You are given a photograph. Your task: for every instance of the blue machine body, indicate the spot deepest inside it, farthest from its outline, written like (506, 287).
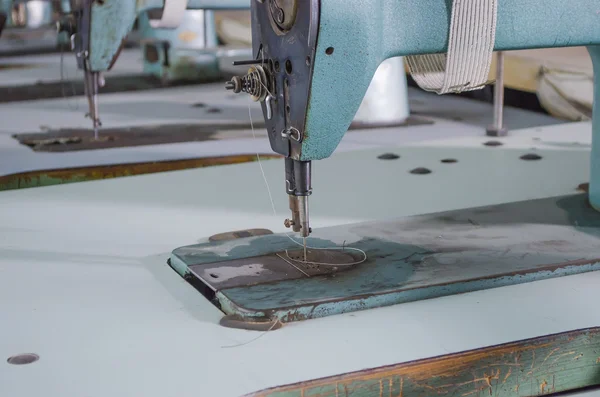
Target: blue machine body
(188, 52)
(112, 20)
(361, 34)
(364, 33)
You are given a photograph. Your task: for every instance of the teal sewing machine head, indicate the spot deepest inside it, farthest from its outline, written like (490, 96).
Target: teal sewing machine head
(98, 30)
(313, 62)
(315, 59)
(188, 51)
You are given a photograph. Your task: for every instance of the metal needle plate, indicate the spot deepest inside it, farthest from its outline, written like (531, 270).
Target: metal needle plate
(408, 259)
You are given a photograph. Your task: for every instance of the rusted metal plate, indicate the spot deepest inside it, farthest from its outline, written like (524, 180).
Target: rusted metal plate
(71, 175)
(239, 234)
(72, 139)
(270, 268)
(531, 367)
(414, 258)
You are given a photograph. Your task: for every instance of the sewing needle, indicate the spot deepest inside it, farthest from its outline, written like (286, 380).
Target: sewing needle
(304, 241)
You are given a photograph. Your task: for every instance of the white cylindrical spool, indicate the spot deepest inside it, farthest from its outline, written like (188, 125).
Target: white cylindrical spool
(386, 100)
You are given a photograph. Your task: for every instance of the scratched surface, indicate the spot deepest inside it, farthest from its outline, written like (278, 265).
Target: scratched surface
(410, 259)
(533, 367)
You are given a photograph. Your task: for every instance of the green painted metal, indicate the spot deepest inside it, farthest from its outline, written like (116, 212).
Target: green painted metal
(111, 22)
(532, 367)
(187, 53)
(364, 33)
(409, 259)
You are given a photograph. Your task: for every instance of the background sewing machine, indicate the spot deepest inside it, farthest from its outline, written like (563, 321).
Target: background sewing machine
(29, 26)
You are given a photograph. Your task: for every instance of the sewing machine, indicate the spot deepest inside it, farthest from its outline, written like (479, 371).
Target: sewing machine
(97, 52)
(313, 62)
(189, 52)
(28, 26)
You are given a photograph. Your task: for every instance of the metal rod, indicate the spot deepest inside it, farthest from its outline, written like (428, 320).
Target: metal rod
(499, 92)
(304, 242)
(497, 126)
(251, 62)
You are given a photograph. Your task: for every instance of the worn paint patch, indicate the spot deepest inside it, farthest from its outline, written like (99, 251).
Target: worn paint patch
(449, 253)
(81, 174)
(528, 367)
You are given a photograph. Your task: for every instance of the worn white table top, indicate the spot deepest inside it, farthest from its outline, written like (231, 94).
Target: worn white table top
(84, 283)
(174, 105)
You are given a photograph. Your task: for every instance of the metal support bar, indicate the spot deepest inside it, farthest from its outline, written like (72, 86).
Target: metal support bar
(498, 129)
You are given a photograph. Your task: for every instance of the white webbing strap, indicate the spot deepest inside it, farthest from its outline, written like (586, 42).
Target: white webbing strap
(172, 15)
(471, 40)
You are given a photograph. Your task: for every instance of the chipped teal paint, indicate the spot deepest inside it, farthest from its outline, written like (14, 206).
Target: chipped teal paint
(365, 32)
(595, 156)
(485, 248)
(243, 248)
(178, 265)
(384, 299)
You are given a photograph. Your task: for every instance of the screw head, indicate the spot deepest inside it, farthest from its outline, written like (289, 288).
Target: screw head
(288, 223)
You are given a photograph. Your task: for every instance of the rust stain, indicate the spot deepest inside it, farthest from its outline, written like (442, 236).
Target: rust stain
(549, 354)
(543, 386)
(562, 355)
(421, 372)
(545, 359)
(7, 66)
(69, 175)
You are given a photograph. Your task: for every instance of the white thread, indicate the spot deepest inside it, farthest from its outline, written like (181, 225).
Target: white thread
(253, 339)
(286, 234)
(260, 164)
